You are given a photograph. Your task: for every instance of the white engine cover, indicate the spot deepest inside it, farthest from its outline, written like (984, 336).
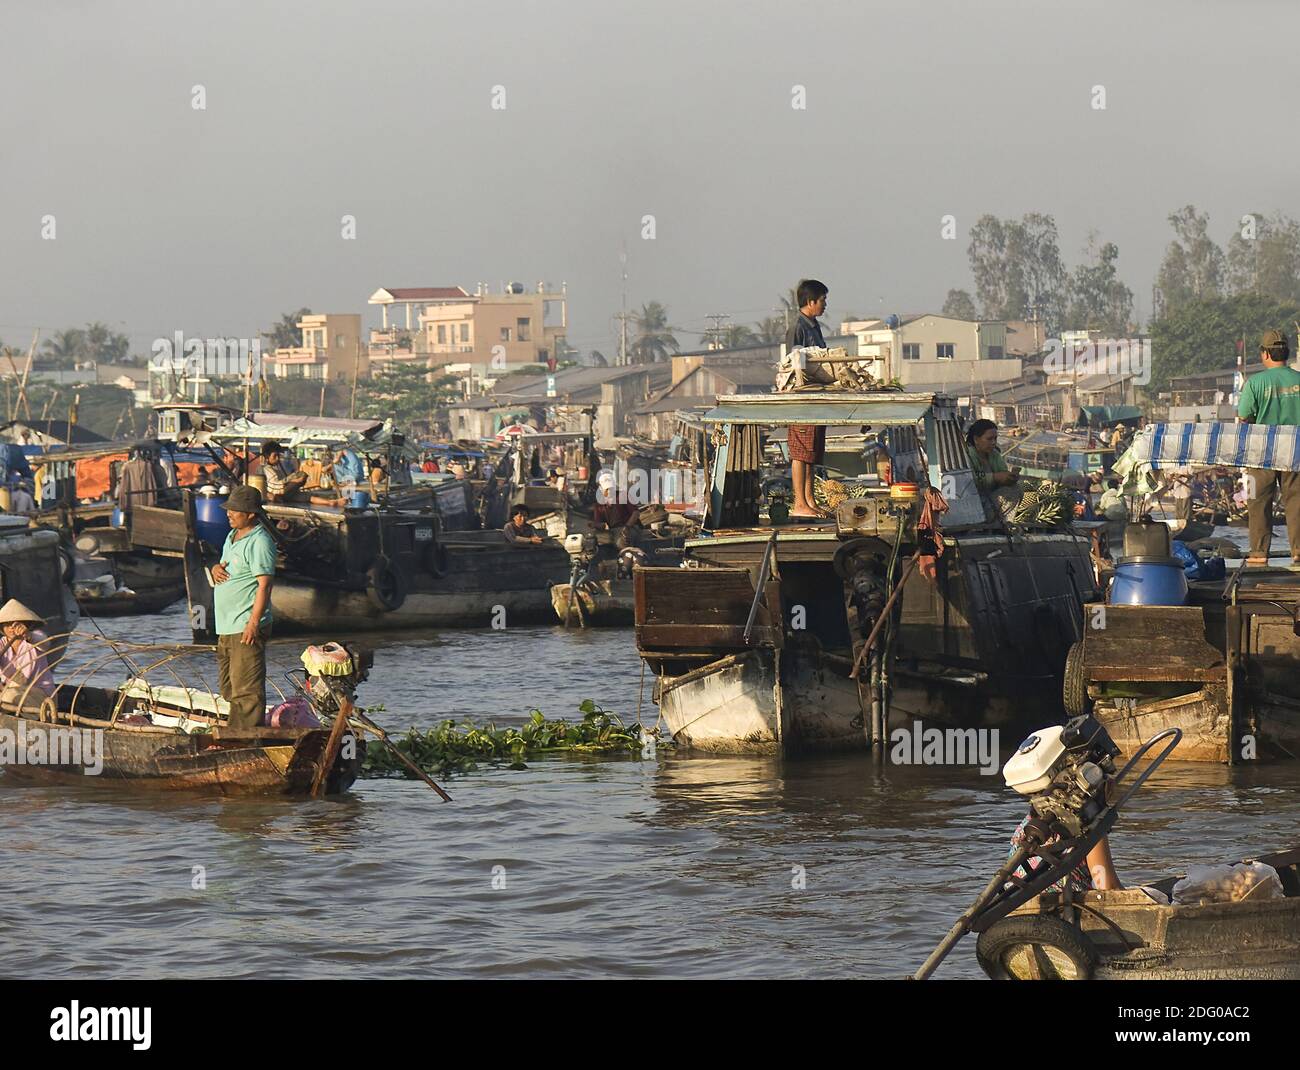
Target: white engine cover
(1030, 769)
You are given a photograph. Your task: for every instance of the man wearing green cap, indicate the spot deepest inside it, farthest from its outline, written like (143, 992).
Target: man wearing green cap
(241, 595)
(1272, 397)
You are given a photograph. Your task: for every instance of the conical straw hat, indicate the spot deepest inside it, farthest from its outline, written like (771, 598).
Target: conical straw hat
(14, 611)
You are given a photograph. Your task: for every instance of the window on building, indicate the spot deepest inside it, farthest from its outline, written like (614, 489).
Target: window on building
(911, 350)
(339, 340)
(505, 334)
(522, 324)
(464, 332)
(995, 353)
(943, 350)
(442, 334)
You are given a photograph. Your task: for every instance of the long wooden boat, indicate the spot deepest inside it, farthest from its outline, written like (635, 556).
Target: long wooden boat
(753, 643)
(1126, 935)
(163, 756)
(350, 571)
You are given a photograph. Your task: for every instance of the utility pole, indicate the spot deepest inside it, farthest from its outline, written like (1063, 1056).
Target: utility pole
(716, 331)
(622, 344)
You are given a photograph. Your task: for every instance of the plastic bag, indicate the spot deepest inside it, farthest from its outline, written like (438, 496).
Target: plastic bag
(1196, 567)
(1228, 884)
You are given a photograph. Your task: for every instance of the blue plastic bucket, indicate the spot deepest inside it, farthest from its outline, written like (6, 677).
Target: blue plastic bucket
(360, 499)
(211, 523)
(1149, 581)
(119, 518)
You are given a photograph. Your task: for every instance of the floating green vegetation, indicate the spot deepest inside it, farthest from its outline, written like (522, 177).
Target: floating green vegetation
(453, 748)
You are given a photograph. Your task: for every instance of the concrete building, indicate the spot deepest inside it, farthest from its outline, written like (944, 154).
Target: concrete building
(567, 400)
(132, 377)
(516, 325)
(926, 348)
(331, 350)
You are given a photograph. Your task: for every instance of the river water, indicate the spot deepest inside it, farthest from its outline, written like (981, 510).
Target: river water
(574, 867)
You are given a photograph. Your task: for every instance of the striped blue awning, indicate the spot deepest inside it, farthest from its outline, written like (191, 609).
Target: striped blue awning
(1232, 445)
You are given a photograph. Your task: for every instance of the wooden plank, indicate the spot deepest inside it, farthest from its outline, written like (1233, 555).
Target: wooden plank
(704, 636)
(157, 529)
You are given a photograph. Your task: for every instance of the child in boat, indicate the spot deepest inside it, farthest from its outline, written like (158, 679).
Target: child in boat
(24, 668)
(1094, 873)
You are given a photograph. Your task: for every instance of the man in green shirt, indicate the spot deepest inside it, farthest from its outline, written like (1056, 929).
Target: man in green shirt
(1272, 397)
(241, 595)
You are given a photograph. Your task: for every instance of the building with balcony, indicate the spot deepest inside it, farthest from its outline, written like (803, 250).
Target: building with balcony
(513, 326)
(331, 350)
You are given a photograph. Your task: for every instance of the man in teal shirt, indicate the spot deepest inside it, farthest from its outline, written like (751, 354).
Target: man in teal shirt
(242, 598)
(1272, 397)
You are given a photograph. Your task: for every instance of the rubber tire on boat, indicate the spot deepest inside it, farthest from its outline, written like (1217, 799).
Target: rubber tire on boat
(67, 565)
(1045, 930)
(435, 560)
(386, 588)
(1074, 687)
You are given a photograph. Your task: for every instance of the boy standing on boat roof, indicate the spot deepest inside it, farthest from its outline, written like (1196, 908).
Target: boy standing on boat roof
(242, 599)
(1272, 397)
(807, 445)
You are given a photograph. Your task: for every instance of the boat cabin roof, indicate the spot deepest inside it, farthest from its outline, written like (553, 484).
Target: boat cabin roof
(831, 408)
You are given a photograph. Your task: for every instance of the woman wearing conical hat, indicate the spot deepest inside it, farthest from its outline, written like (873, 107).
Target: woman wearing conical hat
(24, 669)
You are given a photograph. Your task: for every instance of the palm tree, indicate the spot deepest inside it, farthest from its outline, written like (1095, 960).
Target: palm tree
(95, 340)
(64, 347)
(732, 336)
(654, 341)
(770, 329)
(285, 334)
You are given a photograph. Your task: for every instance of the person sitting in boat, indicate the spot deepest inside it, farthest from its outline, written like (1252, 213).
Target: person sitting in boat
(621, 519)
(518, 531)
(1112, 505)
(347, 471)
(1095, 873)
(21, 502)
(283, 483)
(24, 668)
(986, 462)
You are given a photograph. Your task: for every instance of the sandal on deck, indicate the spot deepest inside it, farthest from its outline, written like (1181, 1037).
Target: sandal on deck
(1252, 560)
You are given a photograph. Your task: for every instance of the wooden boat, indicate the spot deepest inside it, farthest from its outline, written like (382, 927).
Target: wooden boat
(260, 760)
(164, 737)
(753, 642)
(1126, 935)
(1222, 669)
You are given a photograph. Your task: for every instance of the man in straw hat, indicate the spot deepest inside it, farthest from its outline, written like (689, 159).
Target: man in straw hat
(1272, 397)
(24, 668)
(242, 598)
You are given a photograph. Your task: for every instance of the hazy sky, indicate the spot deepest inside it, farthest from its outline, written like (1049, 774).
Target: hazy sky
(216, 221)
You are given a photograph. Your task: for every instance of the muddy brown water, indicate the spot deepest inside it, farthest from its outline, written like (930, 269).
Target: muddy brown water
(574, 867)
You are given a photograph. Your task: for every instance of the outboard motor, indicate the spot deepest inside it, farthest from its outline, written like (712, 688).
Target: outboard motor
(334, 672)
(1067, 772)
(629, 558)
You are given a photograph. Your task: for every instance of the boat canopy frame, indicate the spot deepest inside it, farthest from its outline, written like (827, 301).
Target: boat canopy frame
(735, 485)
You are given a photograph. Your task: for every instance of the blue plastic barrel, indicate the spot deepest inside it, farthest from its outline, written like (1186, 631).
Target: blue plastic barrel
(360, 499)
(119, 518)
(1149, 581)
(211, 523)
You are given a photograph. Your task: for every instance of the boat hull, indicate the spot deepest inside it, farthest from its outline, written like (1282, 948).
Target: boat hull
(1239, 941)
(739, 706)
(302, 608)
(164, 761)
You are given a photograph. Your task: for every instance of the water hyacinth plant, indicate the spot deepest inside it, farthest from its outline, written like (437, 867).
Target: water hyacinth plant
(457, 748)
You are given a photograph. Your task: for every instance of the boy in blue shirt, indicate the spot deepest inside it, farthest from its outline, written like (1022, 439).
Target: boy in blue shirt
(242, 599)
